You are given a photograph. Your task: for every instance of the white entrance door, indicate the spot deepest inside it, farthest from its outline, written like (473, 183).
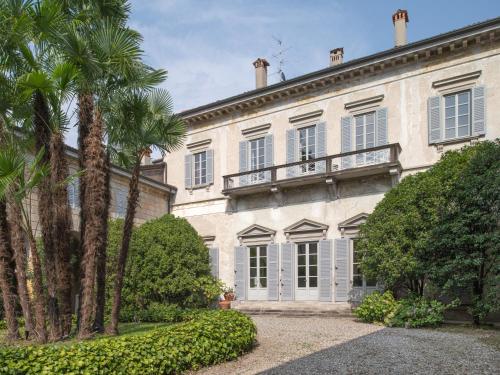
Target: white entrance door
(306, 271)
(257, 287)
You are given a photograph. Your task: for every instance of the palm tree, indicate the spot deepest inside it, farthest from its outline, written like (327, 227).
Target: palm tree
(18, 180)
(139, 121)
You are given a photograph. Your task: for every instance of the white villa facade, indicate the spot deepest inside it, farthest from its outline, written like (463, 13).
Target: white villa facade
(278, 179)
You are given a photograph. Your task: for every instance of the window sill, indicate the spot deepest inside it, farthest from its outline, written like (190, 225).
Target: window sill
(198, 187)
(468, 138)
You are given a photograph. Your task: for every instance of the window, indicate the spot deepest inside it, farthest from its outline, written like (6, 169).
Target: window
(457, 115)
(258, 267)
(307, 148)
(200, 168)
(74, 193)
(358, 280)
(121, 203)
(307, 265)
(257, 159)
(365, 136)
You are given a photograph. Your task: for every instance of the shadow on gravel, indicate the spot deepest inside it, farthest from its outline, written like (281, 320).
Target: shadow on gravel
(398, 351)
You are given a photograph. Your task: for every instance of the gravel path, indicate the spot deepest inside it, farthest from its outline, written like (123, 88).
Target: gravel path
(344, 346)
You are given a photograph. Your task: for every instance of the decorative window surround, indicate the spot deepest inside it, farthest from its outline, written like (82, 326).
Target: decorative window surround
(306, 230)
(198, 145)
(208, 240)
(350, 227)
(256, 130)
(256, 235)
(363, 105)
(460, 82)
(305, 117)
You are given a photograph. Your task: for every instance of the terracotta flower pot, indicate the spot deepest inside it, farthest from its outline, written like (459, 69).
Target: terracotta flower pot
(229, 296)
(224, 305)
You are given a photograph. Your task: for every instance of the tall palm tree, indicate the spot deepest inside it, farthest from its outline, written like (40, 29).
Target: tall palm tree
(18, 180)
(139, 122)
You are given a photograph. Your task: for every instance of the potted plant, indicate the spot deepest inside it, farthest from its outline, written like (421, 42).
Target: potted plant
(229, 294)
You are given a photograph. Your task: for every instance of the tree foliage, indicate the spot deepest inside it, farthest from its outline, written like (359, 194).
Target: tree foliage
(168, 263)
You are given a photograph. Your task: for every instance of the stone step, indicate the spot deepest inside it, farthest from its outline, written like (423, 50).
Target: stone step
(298, 313)
(299, 309)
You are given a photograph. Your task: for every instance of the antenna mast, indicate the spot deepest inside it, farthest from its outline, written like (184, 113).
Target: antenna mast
(279, 56)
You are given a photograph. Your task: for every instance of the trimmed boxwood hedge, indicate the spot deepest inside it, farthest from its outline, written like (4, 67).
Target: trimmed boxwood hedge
(213, 337)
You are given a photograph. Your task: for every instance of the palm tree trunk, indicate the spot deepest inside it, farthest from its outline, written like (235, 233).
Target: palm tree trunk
(42, 132)
(19, 250)
(61, 228)
(101, 261)
(95, 209)
(133, 197)
(85, 119)
(7, 276)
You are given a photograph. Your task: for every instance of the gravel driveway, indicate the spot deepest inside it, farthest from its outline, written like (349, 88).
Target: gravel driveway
(288, 345)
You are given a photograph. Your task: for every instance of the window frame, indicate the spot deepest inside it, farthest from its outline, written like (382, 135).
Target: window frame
(258, 258)
(307, 265)
(259, 177)
(364, 281)
(194, 167)
(311, 167)
(456, 115)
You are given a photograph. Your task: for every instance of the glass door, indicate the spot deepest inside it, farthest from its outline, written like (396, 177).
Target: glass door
(307, 271)
(257, 288)
(307, 149)
(257, 160)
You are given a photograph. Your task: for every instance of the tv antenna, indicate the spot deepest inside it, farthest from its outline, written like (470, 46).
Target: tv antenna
(279, 56)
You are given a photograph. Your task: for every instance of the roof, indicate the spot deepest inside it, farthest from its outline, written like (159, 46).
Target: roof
(408, 49)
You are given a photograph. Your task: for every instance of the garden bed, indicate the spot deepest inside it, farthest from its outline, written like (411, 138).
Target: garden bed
(209, 338)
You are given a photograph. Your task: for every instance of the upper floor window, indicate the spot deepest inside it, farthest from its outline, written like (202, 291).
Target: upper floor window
(307, 148)
(257, 159)
(457, 110)
(200, 168)
(74, 193)
(254, 155)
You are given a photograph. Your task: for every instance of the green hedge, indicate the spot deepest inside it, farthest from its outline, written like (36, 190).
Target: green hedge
(213, 337)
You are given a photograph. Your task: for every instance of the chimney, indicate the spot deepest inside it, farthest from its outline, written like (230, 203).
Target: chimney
(260, 72)
(336, 56)
(146, 157)
(400, 19)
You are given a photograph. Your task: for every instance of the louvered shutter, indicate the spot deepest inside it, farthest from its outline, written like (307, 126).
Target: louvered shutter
(240, 272)
(290, 152)
(341, 269)
(76, 188)
(434, 118)
(346, 140)
(321, 146)
(287, 284)
(325, 270)
(210, 166)
(272, 272)
(71, 195)
(381, 156)
(214, 261)
(243, 162)
(268, 155)
(479, 110)
(188, 171)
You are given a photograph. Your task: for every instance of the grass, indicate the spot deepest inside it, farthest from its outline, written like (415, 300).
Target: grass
(125, 329)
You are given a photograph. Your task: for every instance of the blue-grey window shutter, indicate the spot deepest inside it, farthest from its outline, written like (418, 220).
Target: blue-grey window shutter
(341, 269)
(243, 162)
(479, 110)
(188, 171)
(210, 166)
(321, 146)
(240, 272)
(71, 195)
(346, 140)
(325, 270)
(290, 152)
(213, 253)
(381, 156)
(268, 155)
(273, 272)
(287, 264)
(76, 186)
(434, 119)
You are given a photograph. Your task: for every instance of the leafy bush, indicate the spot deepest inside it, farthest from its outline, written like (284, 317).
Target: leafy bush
(375, 307)
(416, 312)
(212, 337)
(168, 264)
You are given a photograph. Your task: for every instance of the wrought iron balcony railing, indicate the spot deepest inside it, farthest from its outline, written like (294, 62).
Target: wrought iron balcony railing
(348, 165)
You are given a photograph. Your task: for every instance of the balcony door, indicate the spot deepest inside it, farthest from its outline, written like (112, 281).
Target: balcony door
(257, 264)
(307, 149)
(306, 271)
(257, 160)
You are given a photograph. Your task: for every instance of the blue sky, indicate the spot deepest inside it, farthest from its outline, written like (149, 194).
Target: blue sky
(208, 46)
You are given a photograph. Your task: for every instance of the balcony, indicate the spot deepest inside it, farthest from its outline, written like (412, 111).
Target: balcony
(380, 160)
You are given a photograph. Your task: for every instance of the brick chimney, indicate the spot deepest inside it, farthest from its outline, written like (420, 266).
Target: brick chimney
(260, 72)
(400, 19)
(337, 56)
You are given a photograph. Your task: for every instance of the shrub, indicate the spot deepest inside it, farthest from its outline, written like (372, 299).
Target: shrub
(416, 312)
(168, 264)
(375, 307)
(213, 337)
